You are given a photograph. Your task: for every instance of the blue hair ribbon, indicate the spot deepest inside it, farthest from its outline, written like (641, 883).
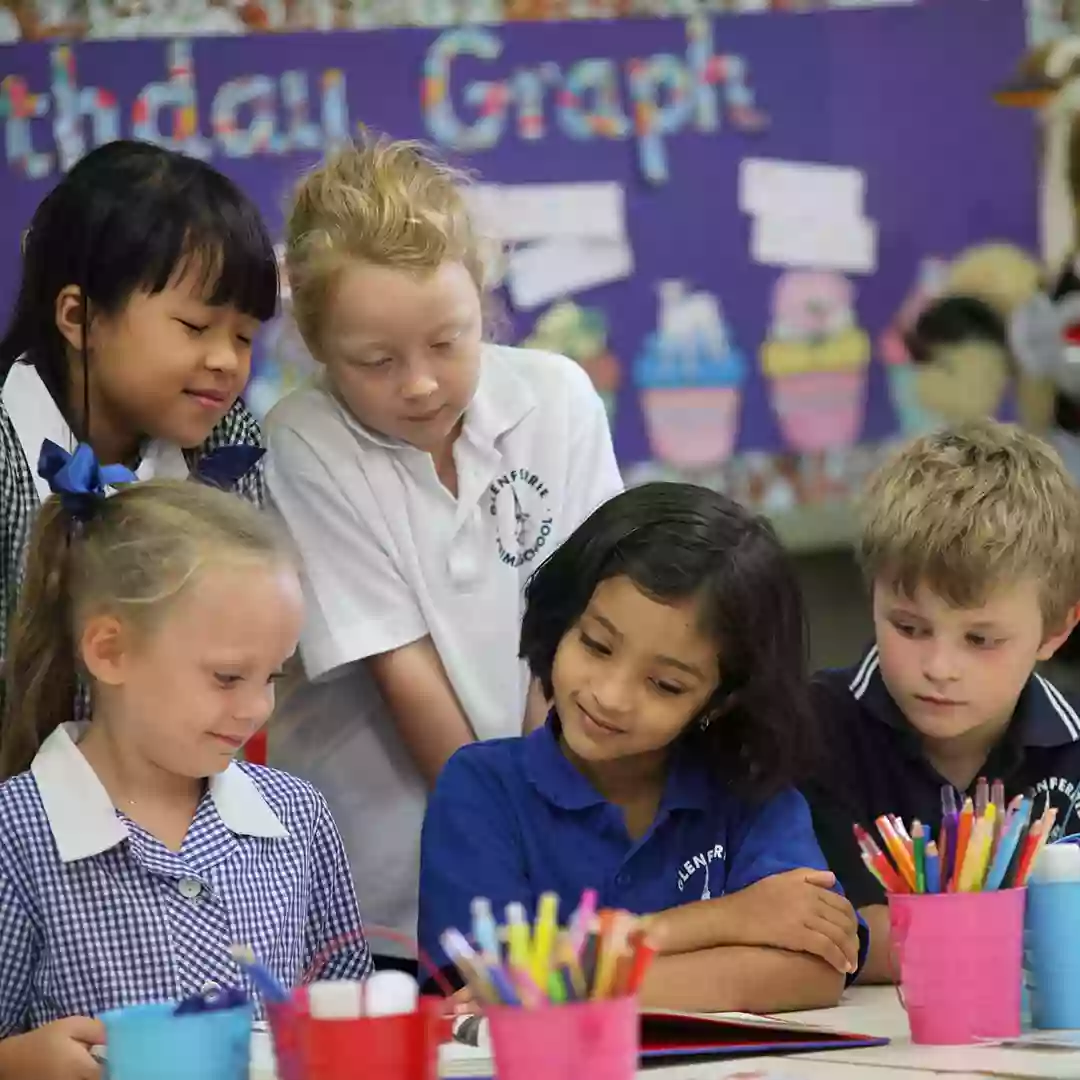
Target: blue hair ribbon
(227, 465)
(79, 478)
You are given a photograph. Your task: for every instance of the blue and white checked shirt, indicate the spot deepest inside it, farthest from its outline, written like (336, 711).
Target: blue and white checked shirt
(96, 913)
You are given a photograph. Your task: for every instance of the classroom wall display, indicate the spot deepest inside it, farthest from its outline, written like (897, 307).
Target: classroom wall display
(581, 333)
(709, 311)
(36, 20)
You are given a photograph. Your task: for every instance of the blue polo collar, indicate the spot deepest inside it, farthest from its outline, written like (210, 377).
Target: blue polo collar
(1043, 718)
(555, 778)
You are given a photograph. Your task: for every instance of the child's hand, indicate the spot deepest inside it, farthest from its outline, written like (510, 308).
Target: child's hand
(56, 1051)
(463, 1002)
(798, 911)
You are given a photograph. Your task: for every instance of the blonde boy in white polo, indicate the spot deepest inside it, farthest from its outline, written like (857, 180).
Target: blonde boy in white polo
(423, 476)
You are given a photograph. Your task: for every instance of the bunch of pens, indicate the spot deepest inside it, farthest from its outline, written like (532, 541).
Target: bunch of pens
(981, 846)
(598, 956)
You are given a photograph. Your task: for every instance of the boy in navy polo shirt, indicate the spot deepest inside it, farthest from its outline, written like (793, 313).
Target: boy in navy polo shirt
(667, 630)
(970, 542)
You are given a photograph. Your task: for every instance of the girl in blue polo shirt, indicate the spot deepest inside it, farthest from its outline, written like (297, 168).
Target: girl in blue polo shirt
(668, 632)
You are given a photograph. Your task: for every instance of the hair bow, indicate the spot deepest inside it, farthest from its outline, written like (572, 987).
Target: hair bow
(224, 467)
(78, 478)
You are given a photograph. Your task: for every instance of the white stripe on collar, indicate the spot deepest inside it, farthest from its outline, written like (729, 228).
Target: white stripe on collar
(859, 685)
(82, 816)
(36, 418)
(1064, 710)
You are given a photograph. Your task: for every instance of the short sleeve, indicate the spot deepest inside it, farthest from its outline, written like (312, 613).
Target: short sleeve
(469, 847)
(20, 950)
(594, 475)
(775, 837)
(358, 603)
(334, 931)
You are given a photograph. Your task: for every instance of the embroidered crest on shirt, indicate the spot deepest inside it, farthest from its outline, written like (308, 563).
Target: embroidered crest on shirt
(701, 864)
(1064, 796)
(524, 522)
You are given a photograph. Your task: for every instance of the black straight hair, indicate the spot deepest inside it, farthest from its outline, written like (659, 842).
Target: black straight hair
(678, 541)
(133, 216)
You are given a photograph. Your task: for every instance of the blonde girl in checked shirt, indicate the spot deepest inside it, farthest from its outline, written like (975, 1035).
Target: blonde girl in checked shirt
(134, 849)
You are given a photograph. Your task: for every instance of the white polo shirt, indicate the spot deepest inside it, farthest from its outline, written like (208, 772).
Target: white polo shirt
(391, 556)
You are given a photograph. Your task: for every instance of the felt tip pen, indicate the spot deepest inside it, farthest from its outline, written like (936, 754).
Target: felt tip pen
(485, 932)
(933, 868)
(898, 849)
(488, 983)
(268, 986)
(547, 927)
(517, 936)
(918, 846)
(583, 919)
(568, 959)
(644, 952)
(963, 838)
(1009, 850)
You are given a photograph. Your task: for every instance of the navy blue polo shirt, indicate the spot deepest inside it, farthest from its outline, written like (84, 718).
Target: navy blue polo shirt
(512, 818)
(872, 763)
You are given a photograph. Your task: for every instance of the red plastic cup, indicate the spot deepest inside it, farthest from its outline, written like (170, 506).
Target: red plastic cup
(594, 1039)
(404, 1047)
(960, 959)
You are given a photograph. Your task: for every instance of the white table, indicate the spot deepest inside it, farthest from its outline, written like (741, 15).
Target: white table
(866, 1011)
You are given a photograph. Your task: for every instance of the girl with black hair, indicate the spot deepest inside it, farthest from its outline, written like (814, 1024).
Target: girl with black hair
(145, 276)
(668, 632)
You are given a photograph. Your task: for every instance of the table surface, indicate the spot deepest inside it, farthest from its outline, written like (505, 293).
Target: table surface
(866, 1011)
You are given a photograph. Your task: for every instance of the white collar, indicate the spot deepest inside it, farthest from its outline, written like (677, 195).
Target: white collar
(36, 418)
(501, 401)
(82, 816)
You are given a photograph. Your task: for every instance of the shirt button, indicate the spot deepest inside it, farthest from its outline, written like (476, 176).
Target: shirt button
(189, 888)
(622, 879)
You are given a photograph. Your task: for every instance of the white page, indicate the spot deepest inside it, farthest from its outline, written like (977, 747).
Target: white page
(519, 213)
(554, 269)
(815, 243)
(796, 189)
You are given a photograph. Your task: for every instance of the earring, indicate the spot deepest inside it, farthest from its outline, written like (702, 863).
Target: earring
(705, 721)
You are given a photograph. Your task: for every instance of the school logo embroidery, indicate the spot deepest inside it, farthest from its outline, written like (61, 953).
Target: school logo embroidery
(523, 496)
(1064, 796)
(702, 861)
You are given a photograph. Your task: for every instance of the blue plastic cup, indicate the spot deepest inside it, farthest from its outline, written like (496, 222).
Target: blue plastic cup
(150, 1042)
(1052, 953)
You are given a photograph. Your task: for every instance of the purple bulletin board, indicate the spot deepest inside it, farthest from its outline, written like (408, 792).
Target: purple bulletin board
(901, 94)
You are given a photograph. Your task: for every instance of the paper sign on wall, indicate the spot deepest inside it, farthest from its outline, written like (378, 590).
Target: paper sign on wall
(807, 216)
(552, 269)
(562, 238)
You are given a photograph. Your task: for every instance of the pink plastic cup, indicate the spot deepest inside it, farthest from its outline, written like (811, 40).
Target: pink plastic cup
(960, 959)
(594, 1039)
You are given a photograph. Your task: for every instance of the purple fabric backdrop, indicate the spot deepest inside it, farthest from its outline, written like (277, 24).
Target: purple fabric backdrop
(900, 93)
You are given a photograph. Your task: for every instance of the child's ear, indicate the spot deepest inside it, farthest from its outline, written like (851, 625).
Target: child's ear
(70, 316)
(1054, 642)
(105, 648)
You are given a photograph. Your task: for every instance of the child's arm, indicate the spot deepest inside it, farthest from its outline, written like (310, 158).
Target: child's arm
(741, 979)
(833, 821)
(334, 932)
(360, 608)
(880, 966)
(417, 691)
(781, 906)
